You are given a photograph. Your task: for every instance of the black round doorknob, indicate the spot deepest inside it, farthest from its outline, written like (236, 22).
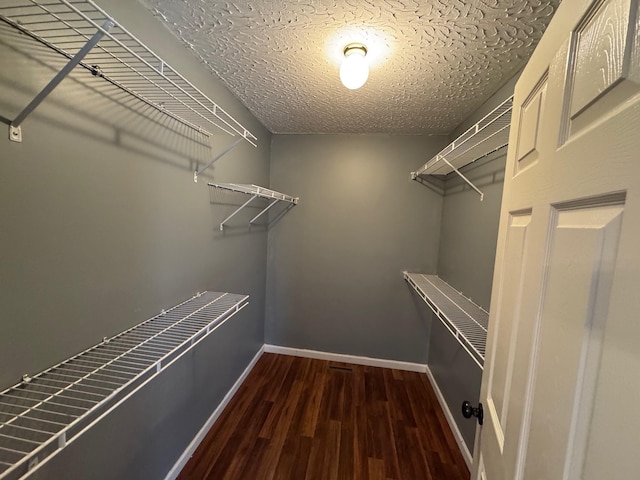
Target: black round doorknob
(469, 411)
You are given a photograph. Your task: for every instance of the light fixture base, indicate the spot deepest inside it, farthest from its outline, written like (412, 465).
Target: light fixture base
(355, 48)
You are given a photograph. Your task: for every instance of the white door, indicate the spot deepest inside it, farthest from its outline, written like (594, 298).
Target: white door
(561, 385)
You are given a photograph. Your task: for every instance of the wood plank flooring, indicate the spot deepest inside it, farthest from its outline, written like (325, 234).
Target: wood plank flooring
(298, 418)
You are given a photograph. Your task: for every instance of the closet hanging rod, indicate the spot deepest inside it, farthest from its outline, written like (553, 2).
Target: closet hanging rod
(121, 59)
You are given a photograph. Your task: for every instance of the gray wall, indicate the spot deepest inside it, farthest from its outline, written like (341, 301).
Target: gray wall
(465, 261)
(470, 229)
(334, 279)
(468, 239)
(102, 227)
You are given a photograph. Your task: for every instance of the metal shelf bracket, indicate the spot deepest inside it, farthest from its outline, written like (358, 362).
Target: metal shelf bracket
(200, 171)
(15, 133)
(464, 178)
(265, 209)
(256, 192)
(236, 211)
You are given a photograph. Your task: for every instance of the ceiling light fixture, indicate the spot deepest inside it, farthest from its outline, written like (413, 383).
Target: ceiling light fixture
(354, 70)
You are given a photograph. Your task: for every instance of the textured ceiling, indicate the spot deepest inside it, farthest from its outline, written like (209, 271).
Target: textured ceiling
(433, 62)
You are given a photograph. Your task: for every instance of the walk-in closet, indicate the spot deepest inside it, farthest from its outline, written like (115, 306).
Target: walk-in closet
(321, 240)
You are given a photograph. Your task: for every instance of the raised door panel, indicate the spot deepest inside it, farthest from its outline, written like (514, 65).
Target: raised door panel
(604, 64)
(600, 58)
(581, 256)
(529, 126)
(508, 324)
(503, 356)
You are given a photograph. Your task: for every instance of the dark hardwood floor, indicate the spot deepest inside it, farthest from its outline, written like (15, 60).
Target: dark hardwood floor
(297, 418)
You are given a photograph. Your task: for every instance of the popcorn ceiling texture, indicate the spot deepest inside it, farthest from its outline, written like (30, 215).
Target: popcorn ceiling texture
(433, 62)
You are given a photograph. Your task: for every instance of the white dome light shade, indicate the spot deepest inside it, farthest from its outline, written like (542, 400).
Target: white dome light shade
(355, 69)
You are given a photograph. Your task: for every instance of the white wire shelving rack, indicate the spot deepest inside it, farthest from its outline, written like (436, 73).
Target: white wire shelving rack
(490, 134)
(44, 413)
(89, 38)
(466, 321)
(255, 191)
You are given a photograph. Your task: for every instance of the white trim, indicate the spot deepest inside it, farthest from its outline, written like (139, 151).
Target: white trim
(466, 454)
(191, 448)
(340, 357)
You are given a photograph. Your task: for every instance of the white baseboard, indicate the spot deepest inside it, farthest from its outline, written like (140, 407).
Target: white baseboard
(186, 455)
(452, 423)
(340, 357)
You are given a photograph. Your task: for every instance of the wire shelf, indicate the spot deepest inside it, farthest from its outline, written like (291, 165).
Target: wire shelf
(41, 415)
(466, 321)
(68, 26)
(490, 134)
(256, 192)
